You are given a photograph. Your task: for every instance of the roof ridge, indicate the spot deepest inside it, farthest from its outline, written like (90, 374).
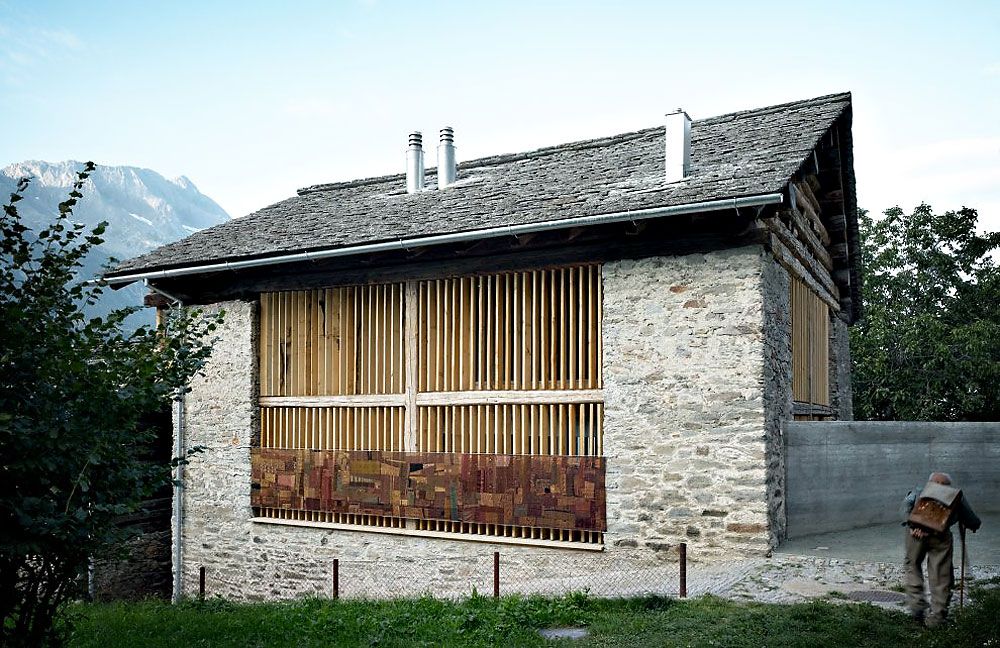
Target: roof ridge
(765, 110)
(491, 160)
(578, 145)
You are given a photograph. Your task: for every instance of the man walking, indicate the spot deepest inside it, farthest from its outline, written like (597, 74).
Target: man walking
(931, 511)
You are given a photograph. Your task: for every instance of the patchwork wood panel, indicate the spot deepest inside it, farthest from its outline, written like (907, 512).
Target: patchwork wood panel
(557, 492)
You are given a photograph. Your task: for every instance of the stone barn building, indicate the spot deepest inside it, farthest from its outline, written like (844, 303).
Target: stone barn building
(580, 356)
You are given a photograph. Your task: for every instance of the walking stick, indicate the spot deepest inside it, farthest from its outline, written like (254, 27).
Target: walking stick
(961, 591)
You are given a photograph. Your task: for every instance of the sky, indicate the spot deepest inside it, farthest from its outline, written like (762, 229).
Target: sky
(252, 100)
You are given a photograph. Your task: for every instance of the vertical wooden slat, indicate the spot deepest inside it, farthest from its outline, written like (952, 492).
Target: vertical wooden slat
(520, 357)
(535, 330)
(439, 339)
(572, 308)
(264, 352)
(412, 370)
(581, 350)
(462, 323)
(508, 294)
(551, 341)
(481, 333)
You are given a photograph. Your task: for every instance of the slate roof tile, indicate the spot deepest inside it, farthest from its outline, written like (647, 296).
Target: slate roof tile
(738, 154)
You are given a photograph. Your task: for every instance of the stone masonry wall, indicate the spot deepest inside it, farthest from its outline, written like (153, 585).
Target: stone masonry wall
(841, 394)
(778, 386)
(684, 402)
(686, 437)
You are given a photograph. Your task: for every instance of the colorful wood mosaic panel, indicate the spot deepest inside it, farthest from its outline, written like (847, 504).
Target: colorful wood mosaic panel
(559, 492)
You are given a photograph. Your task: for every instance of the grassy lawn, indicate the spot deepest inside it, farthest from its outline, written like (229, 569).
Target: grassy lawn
(514, 621)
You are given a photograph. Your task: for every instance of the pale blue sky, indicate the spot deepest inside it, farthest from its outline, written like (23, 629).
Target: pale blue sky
(252, 100)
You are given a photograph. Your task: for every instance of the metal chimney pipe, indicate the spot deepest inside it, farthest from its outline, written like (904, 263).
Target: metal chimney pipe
(446, 170)
(678, 145)
(415, 163)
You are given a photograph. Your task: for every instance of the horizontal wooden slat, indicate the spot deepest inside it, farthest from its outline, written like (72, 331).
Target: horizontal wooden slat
(355, 400)
(512, 396)
(494, 534)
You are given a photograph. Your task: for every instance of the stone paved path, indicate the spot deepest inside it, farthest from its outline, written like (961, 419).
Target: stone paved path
(791, 579)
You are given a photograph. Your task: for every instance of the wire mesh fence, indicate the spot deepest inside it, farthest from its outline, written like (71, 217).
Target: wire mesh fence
(487, 573)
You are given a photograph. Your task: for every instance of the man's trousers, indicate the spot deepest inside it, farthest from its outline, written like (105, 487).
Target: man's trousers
(936, 549)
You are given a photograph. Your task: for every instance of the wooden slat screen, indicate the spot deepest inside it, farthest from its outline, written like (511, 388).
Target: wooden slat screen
(333, 428)
(507, 363)
(337, 341)
(548, 429)
(530, 330)
(810, 346)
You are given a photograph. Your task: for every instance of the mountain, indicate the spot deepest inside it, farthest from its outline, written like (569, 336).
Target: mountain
(144, 210)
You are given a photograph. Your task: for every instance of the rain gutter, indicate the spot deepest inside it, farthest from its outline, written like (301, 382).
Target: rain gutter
(457, 237)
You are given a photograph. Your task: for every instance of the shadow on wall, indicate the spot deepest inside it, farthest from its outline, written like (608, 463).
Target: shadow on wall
(844, 475)
(141, 567)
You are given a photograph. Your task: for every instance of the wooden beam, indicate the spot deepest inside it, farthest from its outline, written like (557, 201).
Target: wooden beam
(355, 400)
(599, 246)
(411, 343)
(810, 208)
(807, 194)
(783, 256)
(797, 250)
(805, 233)
(837, 222)
(510, 397)
(675, 235)
(155, 300)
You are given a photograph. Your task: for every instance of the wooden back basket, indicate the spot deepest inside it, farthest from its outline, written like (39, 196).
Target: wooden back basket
(934, 506)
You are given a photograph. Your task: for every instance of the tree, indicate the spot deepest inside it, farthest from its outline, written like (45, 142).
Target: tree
(928, 347)
(73, 393)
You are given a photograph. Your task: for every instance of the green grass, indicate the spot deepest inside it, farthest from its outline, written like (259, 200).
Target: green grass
(514, 621)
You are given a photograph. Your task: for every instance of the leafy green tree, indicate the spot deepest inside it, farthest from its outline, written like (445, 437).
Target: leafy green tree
(928, 347)
(73, 394)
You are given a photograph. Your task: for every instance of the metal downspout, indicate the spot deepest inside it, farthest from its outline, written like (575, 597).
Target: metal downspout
(177, 519)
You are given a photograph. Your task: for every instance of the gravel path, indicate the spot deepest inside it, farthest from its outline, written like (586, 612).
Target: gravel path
(792, 579)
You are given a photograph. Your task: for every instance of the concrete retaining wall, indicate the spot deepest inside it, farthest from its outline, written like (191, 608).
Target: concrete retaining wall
(848, 474)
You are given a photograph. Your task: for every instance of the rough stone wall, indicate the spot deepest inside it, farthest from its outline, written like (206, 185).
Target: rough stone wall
(684, 426)
(142, 571)
(841, 394)
(685, 433)
(221, 415)
(776, 288)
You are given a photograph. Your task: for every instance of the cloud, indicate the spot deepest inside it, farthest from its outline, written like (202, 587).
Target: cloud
(60, 37)
(947, 174)
(992, 69)
(23, 48)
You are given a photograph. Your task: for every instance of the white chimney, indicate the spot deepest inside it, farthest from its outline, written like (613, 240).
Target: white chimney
(415, 163)
(678, 145)
(446, 158)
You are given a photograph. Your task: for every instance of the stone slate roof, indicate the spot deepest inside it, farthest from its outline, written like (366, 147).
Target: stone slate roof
(739, 154)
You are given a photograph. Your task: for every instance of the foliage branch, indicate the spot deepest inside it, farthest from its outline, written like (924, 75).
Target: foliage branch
(928, 347)
(75, 394)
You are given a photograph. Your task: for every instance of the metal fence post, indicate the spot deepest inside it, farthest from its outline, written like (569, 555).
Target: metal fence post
(201, 583)
(496, 574)
(683, 568)
(336, 578)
